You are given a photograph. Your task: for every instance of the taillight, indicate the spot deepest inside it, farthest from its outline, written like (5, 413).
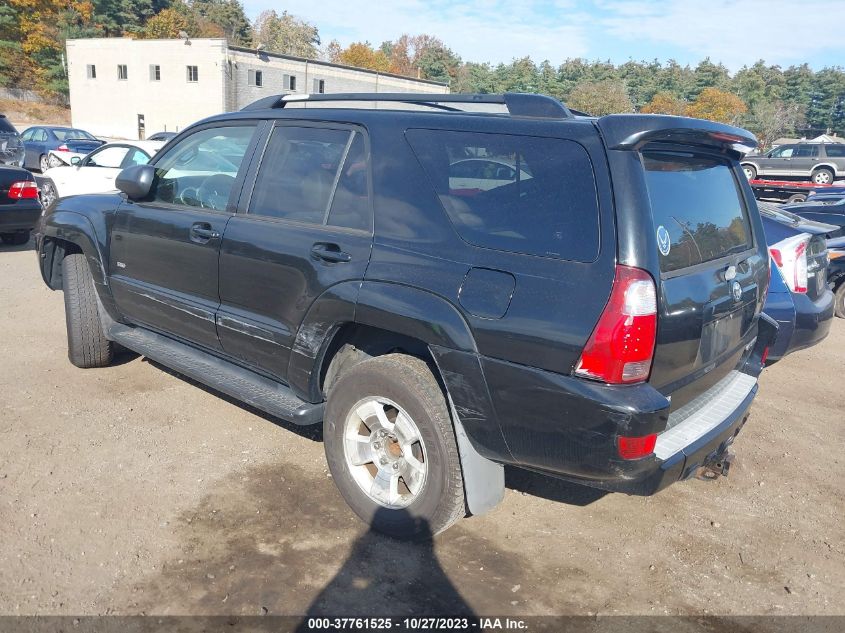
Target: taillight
(765, 356)
(621, 347)
(790, 256)
(23, 190)
(62, 148)
(636, 447)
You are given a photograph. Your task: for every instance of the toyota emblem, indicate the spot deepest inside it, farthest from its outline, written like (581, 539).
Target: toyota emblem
(736, 291)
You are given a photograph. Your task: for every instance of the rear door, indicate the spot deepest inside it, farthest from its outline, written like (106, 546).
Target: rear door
(804, 159)
(306, 226)
(713, 278)
(165, 250)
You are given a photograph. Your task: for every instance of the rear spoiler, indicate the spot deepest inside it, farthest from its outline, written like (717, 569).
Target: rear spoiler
(633, 131)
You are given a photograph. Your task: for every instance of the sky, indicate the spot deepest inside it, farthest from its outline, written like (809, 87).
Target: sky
(735, 32)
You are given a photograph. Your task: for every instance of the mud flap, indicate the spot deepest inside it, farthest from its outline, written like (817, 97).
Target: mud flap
(484, 480)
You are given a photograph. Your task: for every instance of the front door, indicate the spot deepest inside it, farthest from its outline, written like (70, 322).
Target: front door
(307, 227)
(165, 250)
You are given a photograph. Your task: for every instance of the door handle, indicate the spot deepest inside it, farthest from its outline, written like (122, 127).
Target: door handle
(202, 231)
(329, 253)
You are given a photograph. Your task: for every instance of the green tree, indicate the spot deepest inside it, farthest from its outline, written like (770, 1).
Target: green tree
(228, 15)
(286, 34)
(709, 75)
(601, 97)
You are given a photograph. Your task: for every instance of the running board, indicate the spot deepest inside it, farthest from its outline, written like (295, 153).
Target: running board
(262, 393)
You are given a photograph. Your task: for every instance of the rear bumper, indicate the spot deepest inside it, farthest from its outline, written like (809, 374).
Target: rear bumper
(803, 322)
(569, 428)
(18, 216)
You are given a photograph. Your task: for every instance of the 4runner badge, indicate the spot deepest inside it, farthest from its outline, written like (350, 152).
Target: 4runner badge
(664, 243)
(736, 291)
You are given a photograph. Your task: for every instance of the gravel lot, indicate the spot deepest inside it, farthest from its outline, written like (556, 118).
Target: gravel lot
(130, 490)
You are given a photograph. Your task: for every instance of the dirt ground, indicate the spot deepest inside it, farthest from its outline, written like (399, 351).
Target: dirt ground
(130, 490)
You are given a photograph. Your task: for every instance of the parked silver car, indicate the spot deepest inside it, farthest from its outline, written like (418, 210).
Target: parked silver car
(820, 162)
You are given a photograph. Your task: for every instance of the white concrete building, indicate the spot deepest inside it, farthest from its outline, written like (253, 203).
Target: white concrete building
(125, 88)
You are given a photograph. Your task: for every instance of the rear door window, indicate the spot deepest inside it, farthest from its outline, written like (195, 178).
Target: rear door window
(835, 151)
(521, 194)
(698, 209)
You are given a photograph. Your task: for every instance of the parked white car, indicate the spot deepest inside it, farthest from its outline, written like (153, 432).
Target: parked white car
(96, 172)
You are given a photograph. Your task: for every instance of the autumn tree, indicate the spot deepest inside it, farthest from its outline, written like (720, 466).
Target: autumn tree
(286, 34)
(422, 55)
(227, 16)
(167, 24)
(665, 103)
(717, 105)
(362, 55)
(600, 97)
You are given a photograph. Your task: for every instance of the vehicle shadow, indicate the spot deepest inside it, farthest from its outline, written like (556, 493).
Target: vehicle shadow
(551, 488)
(312, 432)
(414, 577)
(518, 479)
(19, 248)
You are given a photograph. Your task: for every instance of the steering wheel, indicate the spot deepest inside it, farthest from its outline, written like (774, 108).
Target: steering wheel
(214, 191)
(189, 196)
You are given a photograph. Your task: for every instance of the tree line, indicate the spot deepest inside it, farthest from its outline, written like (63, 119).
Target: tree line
(770, 100)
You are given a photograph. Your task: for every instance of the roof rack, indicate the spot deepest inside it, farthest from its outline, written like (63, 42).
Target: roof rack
(517, 103)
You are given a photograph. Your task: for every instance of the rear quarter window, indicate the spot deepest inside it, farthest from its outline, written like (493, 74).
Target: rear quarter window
(698, 209)
(521, 194)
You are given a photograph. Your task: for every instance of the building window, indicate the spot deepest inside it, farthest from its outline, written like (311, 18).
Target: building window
(155, 72)
(92, 71)
(193, 74)
(256, 78)
(289, 82)
(319, 86)
(122, 73)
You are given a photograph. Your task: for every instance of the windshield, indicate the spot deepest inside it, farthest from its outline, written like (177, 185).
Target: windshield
(698, 209)
(73, 135)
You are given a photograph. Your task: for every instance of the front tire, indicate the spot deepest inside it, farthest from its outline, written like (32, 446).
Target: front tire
(49, 194)
(87, 345)
(43, 165)
(391, 449)
(839, 300)
(823, 176)
(750, 172)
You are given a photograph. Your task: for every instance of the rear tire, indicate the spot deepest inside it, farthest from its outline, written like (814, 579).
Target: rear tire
(796, 197)
(87, 345)
(823, 176)
(750, 172)
(387, 421)
(18, 238)
(839, 300)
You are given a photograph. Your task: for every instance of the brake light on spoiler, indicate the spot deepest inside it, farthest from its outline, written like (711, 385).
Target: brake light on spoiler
(621, 347)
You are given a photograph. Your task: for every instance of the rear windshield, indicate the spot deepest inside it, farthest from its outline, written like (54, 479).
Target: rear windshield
(521, 194)
(6, 127)
(73, 135)
(697, 206)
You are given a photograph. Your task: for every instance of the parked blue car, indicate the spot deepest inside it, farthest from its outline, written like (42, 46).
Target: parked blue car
(799, 298)
(824, 208)
(39, 140)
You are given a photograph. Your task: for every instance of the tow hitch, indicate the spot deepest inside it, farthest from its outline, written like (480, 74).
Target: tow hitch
(715, 466)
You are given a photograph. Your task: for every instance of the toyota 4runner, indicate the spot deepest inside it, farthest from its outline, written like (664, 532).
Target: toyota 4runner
(447, 291)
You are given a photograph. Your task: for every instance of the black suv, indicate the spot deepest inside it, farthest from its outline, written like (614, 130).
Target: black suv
(589, 307)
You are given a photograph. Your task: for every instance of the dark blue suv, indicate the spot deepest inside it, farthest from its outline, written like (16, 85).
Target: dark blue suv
(588, 307)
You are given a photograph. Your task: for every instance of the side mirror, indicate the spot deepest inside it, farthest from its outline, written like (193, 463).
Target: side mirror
(136, 181)
(75, 160)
